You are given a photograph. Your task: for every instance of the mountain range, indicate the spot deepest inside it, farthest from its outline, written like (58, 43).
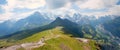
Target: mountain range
(104, 30)
(32, 21)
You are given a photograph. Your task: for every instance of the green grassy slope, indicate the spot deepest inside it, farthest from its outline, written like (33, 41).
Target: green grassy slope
(57, 40)
(66, 43)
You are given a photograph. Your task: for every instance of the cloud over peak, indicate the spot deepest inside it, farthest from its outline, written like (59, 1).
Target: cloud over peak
(10, 8)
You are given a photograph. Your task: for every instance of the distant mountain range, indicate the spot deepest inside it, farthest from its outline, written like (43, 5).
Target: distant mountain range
(33, 21)
(70, 29)
(104, 30)
(37, 19)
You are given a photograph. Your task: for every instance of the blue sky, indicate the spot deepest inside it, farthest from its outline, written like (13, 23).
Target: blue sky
(12, 9)
(1, 11)
(21, 10)
(118, 3)
(2, 2)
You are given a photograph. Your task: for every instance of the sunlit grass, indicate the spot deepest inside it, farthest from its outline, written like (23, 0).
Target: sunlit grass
(57, 40)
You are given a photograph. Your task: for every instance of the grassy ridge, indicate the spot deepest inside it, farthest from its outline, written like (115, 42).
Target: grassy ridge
(64, 42)
(58, 40)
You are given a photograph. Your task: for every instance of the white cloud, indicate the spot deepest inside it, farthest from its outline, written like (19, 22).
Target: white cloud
(54, 4)
(110, 5)
(31, 4)
(59, 7)
(98, 4)
(11, 4)
(114, 10)
(93, 4)
(5, 16)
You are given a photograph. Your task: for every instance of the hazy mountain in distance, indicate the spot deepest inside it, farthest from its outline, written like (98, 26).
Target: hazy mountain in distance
(98, 33)
(60, 32)
(32, 21)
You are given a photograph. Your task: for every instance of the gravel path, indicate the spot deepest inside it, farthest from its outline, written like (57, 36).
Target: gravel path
(29, 46)
(15, 47)
(83, 40)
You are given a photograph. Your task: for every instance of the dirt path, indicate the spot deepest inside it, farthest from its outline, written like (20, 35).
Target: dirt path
(15, 47)
(29, 46)
(12, 47)
(83, 40)
(87, 48)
